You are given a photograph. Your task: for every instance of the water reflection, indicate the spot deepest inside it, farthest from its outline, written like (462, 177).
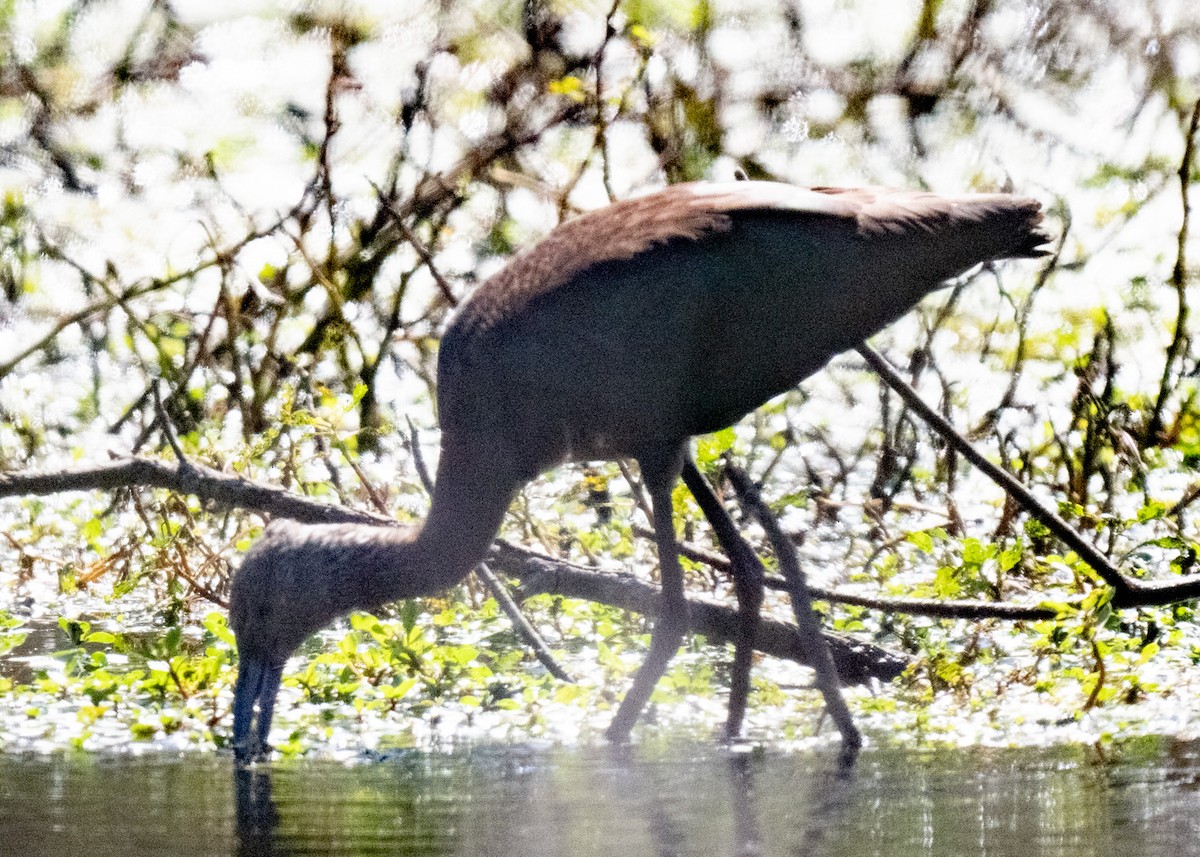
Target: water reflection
(675, 800)
(747, 836)
(257, 816)
(663, 804)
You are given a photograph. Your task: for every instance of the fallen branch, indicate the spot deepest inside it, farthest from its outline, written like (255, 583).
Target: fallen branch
(857, 662)
(195, 479)
(234, 491)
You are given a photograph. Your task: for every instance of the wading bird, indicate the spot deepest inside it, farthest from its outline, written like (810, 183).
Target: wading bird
(623, 333)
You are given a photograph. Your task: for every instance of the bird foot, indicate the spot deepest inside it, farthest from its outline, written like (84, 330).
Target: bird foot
(618, 731)
(252, 752)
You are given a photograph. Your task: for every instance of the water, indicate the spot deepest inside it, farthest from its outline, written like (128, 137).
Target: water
(668, 800)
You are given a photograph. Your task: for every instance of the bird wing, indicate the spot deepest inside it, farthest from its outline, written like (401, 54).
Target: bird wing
(690, 211)
(630, 227)
(986, 225)
(874, 211)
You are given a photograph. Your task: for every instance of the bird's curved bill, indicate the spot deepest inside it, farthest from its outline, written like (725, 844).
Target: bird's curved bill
(257, 687)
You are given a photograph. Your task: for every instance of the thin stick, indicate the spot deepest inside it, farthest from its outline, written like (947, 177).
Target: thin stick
(1086, 551)
(164, 423)
(932, 607)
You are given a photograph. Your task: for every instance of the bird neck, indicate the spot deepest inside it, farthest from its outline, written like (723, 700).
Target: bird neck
(467, 509)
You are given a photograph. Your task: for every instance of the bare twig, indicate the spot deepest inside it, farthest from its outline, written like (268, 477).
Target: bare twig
(1127, 592)
(423, 252)
(636, 490)
(144, 287)
(1024, 496)
(164, 423)
(932, 607)
(436, 189)
(1179, 338)
(522, 625)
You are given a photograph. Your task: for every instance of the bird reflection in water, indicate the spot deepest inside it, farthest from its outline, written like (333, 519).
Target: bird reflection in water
(665, 803)
(256, 813)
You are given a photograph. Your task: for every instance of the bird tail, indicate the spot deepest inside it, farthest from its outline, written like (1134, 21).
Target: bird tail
(971, 229)
(1001, 226)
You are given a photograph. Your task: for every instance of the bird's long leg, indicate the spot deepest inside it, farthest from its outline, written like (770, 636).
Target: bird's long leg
(748, 572)
(671, 623)
(257, 685)
(808, 626)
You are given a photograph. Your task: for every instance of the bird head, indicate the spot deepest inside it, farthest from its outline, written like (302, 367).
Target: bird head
(280, 596)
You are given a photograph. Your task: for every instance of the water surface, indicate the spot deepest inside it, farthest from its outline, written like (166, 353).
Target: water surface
(664, 800)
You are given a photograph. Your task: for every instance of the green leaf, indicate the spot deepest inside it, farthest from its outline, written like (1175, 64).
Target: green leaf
(143, 731)
(399, 691)
(75, 629)
(1151, 511)
(92, 530)
(642, 36)
(1062, 608)
(570, 86)
(461, 655)
(1010, 556)
(217, 624)
(366, 623)
(922, 540)
(173, 638)
(11, 640)
(710, 447)
(975, 552)
(946, 583)
(409, 613)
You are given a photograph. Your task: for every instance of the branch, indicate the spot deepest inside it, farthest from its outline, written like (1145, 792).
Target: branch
(1179, 283)
(932, 607)
(856, 661)
(233, 491)
(1127, 592)
(434, 190)
(144, 287)
(196, 479)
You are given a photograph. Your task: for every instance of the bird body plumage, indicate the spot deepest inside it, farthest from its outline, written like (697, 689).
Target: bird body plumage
(622, 334)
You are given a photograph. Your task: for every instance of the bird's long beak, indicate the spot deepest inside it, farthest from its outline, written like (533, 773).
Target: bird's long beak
(257, 684)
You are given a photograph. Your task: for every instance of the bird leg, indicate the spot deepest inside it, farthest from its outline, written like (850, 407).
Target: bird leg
(257, 686)
(748, 573)
(807, 625)
(672, 620)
